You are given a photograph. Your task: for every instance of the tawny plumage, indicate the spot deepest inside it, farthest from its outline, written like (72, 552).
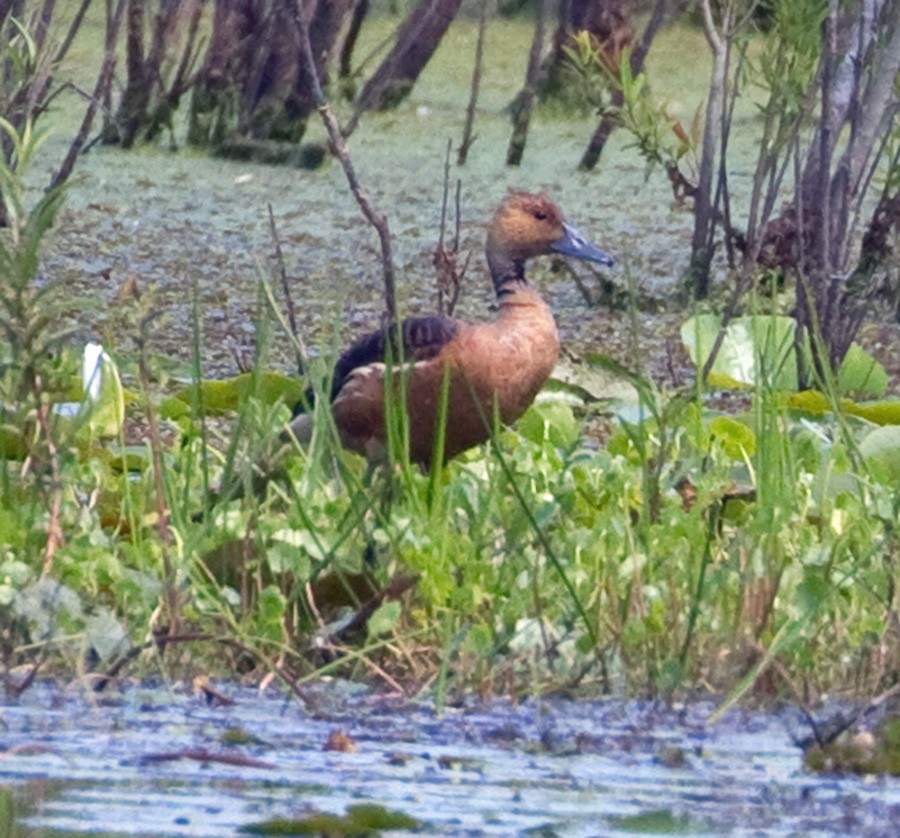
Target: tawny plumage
(495, 366)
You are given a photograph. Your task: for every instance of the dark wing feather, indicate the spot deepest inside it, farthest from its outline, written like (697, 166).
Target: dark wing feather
(423, 338)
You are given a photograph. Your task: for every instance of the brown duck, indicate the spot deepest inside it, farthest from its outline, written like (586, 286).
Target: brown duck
(499, 365)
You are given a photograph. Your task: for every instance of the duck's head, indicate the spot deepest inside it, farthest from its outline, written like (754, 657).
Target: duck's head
(527, 225)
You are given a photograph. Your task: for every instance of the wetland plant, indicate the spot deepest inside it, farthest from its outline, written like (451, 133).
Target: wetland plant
(688, 548)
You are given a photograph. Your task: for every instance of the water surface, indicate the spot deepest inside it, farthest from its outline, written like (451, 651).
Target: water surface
(547, 767)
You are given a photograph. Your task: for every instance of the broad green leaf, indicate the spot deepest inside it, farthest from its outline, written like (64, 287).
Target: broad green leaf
(105, 397)
(226, 395)
(883, 412)
(106, 635)
(861, 373)
(881, 450)
(272, 604)
(383, 620)
(759, 350)
(12, 443)
(552, 421)
(737, 440)
(755, 349)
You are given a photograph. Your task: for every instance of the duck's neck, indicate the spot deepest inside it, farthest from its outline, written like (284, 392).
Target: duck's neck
(507, 273)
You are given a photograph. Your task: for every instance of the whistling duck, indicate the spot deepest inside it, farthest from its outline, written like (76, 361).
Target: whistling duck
(503, 362)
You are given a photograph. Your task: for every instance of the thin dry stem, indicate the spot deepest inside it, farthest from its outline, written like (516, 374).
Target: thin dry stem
(286, 288)
(339, 147)
(156, 456)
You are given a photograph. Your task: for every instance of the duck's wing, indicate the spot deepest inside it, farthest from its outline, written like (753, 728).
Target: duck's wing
(421, 338)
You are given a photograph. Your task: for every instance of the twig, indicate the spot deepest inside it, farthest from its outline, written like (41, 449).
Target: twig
(162, 640)
(285, 286)
(467, 137)
(54, 531)
(446, 261)
(162, 512)
(16, 688)
(101, 89)
(202, 755)
(840, 723)
(339, 147)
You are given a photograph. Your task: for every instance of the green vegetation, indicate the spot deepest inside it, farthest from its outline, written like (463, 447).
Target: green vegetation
(692, 548)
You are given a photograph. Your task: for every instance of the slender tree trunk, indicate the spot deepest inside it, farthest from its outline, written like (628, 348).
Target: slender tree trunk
(525, 100)
(254, 93)
(705, 209)
(607, 21)
(467, 137)
(378, 221)
(114, 12)
(137, 86)
(150, 98)
(345, 62)
(326, 21)
(608, 121)
(417, 39)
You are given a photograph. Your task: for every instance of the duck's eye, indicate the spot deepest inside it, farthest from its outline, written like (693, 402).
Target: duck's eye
(540, 215)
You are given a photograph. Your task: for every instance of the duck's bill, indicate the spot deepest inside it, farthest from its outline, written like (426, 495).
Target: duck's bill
(573, 243)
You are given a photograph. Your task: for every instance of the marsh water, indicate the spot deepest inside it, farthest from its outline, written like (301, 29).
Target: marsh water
(147, 761)
(186, 226)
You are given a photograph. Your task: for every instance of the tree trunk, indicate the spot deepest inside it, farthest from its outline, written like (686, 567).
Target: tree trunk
(705, 208)
(610, 27)
(468, 137)
(345, 62)
(813, 236)
(524, 103)
(417, 39)
(254, 86)
(150, 97)
(608, 121)
(136, 95)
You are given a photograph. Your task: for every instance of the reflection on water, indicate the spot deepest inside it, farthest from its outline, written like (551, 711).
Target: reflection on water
(545, 767)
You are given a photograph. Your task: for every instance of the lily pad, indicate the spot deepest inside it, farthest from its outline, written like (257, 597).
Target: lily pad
(226, 395)
(879, 412)
(760, 349)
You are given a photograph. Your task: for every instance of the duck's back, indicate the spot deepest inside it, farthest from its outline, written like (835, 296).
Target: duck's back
(503, 363)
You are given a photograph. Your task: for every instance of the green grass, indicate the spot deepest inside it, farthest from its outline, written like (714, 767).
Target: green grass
(688, 549)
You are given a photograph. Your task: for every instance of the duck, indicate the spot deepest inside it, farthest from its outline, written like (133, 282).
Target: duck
(489, 369)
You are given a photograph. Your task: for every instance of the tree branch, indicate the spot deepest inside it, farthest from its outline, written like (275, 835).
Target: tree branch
(339, 147)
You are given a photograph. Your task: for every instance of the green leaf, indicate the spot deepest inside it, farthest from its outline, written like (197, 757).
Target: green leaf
(754, 350)
(861, 373)
(272, 604)
(882, 412)
(227, 395)
(881, 450)
(384, 620)
(106, 635)
(106, 408)
(759, 349)
(550, 421)
(737, 440)
(479, 640)
(12, 443)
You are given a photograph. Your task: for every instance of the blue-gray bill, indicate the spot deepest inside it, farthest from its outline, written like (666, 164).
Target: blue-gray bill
(574, 243)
